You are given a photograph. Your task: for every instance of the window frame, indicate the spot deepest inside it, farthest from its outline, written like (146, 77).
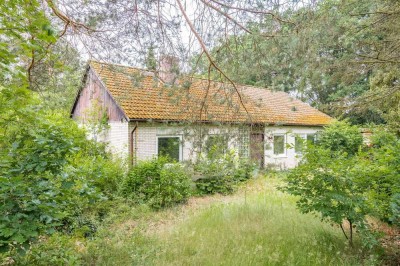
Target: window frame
(216, 135)
(304, 136)
(171, 136)
(284, 154)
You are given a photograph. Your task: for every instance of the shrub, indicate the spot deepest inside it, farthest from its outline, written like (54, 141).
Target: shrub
(325, 180)
(101, 168)
(341, 136)
(326, 184)
(48, 170)
(221, 173)
(343, 182)
(57, 249)
(157, 183)
(38, 184)
(378, 173)
(244, 170)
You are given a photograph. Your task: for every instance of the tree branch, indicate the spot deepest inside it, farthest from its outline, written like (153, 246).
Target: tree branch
(206, 52)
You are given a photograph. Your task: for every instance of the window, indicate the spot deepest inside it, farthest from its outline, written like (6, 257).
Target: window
(301, 140)
(243, 143)
(216, 145)
(170, 147)
(279, 144)
(311, 138)
(299, 143)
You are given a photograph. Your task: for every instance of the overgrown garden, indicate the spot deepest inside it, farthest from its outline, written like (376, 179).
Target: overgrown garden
(64, 200)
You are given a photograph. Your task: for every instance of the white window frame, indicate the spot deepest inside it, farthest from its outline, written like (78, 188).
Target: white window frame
(216, 135)
(180, 144)
(284, 154)
(304, 137)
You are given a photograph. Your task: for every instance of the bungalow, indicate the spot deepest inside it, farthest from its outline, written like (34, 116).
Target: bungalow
(149, 114)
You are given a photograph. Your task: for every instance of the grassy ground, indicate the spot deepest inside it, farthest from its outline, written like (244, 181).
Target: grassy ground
(257, 226)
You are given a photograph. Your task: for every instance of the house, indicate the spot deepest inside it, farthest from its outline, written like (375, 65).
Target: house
(149, 114)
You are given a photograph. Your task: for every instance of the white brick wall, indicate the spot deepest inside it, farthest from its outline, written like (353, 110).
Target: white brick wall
(290, 159)
(117, 137)
(145, 139)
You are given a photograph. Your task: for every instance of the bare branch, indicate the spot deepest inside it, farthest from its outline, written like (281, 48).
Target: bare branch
(209, 57)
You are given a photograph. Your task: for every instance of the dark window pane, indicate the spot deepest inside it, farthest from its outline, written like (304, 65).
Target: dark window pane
(279, 144)
(216, 145)
(311, 138)
(169, 146)
(299, 143)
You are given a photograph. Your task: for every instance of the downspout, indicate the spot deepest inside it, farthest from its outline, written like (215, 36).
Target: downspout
(132, 146)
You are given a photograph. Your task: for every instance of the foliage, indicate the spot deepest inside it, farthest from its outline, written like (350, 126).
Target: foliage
(326, 181)
(157, 183)
(25, 33)
(150, 61)
(33, 56)
(326, 185)
(57, 249)
(341, 58)
(49, 171)
(378, 173)
(221, 173)
(106, 171)
(342, 181)
(340, 136)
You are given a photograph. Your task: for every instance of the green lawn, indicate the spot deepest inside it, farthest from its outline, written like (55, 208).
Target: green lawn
(257, 226)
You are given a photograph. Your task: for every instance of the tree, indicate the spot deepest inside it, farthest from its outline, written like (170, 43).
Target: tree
(325, 181)
(343, 180)
(151, 62)
(325, 57)
(378, 174)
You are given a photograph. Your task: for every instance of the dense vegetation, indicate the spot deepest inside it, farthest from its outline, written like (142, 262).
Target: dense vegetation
(344, 180)
(339, 56)
(243, 228)
(157, 182)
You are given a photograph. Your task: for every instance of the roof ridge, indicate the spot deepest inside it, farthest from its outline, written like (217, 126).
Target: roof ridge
(190, 76)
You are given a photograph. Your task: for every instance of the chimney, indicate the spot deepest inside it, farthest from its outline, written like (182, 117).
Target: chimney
(168, 69)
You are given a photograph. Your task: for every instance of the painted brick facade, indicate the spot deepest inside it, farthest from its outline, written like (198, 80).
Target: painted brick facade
(117, 137)
(145, 141)
(290, 158)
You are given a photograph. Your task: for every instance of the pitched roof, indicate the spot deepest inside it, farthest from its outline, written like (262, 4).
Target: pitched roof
(143, 97)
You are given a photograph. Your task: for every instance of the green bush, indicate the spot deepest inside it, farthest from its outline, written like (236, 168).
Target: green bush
(378, 173)
(341, 181)
(244, 170)
(341, 136)
(221, 173)
(157, 183)
(325, 180)
(57, 249)
(49, 171)
(105, 171)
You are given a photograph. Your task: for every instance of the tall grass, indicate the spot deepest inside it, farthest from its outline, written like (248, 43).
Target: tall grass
(260, 227)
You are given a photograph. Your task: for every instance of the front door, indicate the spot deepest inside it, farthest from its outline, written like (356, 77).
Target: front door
(257, 148)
